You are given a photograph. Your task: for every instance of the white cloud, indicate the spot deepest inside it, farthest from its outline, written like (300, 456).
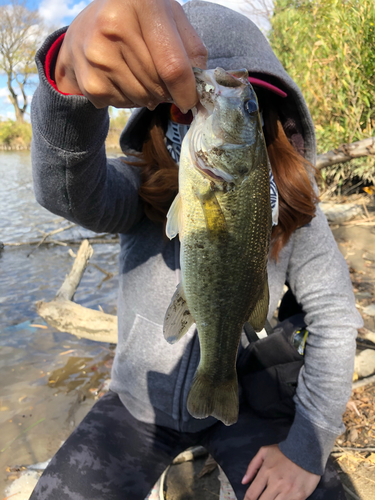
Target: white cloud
(55, 12)
(4, 91)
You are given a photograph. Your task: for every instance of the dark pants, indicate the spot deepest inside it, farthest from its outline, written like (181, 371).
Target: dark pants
(113, 456)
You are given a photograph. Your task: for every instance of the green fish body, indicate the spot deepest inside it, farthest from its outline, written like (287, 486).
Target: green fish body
(223, 216)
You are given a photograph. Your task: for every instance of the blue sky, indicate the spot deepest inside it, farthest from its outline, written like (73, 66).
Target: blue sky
(59, 13)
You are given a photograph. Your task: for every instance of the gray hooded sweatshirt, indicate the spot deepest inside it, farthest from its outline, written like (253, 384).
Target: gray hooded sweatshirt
(74, 179)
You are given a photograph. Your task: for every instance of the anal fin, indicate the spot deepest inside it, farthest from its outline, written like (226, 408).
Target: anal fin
(178, 319)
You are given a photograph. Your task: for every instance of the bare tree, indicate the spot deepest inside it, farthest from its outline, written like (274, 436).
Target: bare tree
(20, 31)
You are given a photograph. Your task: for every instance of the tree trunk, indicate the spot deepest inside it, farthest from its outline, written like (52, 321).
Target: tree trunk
(14, 100)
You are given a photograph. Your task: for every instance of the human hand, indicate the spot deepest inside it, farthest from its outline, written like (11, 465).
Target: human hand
(275, 476)
(129, 53)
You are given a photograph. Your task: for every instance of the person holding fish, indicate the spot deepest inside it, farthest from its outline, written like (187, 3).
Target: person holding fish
(237, 186)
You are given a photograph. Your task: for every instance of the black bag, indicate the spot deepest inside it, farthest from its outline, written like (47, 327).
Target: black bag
(268, 368)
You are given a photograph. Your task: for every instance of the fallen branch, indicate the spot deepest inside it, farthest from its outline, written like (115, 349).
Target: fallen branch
(93, 240)
(347, 152)
(51, 233)
(363, 382)
(73, 279)
(349, 491)
(67, 316)
(344, 449)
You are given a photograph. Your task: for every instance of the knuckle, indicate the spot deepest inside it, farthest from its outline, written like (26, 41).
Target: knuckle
(96, 91)
(98, 104)
(199, 50)
(107, 20)
(95, 55)
(173, 71)
(94, 88)
(263, 451)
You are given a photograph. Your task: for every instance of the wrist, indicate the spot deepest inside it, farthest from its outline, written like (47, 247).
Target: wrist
(308, 445)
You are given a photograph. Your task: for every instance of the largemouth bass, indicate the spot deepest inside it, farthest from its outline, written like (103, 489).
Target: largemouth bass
(223, 216)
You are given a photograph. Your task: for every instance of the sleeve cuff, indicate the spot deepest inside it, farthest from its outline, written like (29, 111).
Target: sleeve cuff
(308, 445)
(69, 122)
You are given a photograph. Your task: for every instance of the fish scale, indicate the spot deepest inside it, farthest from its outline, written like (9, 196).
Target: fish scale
(223, 216)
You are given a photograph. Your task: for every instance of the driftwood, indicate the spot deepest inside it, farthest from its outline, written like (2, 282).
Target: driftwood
(67, 316)
(347, 152)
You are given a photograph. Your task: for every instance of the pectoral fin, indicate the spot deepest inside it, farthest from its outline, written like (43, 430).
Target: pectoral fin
(214, 217)
(258, 316)
(174, 218)
(178, 319)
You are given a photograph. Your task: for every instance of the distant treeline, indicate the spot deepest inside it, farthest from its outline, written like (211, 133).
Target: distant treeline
(14, 135)
(17, 136)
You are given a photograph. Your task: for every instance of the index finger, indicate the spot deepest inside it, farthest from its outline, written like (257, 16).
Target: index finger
(194, 46)
(253, 467)
(173, 55)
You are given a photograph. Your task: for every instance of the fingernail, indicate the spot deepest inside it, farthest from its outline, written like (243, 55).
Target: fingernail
(244, 480)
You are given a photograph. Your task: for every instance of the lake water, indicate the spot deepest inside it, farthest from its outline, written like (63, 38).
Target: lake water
(49, 379)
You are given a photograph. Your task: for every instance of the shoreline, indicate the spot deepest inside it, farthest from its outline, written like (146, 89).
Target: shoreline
(5, 147)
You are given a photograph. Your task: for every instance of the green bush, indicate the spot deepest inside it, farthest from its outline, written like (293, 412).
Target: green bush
(15, 135)
(328, 48)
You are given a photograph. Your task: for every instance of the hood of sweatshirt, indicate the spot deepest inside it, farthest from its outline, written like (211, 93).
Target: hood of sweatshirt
(233, 42)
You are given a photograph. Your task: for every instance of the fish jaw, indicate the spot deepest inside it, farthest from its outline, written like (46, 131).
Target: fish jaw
(226, 125)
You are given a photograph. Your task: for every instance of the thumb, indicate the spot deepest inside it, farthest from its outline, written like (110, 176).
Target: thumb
(254, 466)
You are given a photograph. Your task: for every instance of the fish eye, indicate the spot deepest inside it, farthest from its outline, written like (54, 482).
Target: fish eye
(251, 107)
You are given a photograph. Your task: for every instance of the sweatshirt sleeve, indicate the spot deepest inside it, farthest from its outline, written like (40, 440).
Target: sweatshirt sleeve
(319, 278)
(72, 175)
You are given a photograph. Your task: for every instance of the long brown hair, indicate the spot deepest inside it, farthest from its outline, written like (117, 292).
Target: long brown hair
(293, 175)
(159, 172)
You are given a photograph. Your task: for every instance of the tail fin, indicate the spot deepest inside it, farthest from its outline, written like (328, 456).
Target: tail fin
(209, 397)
